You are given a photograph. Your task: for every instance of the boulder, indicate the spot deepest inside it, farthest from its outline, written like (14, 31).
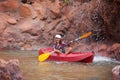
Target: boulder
(10, 70)
(116, 73)
(25, 10)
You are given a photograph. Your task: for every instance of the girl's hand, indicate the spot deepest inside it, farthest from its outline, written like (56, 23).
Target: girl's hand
(58, 51)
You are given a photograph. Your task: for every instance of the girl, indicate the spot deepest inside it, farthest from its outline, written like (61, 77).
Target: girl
(59, 46)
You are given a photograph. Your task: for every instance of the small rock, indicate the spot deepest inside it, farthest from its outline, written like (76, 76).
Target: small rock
(116, 73)
(11, 21)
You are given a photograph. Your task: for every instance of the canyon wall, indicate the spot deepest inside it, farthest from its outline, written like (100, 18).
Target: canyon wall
(32, 24)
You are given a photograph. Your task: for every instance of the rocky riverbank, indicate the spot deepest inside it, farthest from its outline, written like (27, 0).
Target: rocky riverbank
(10, 70)
(30, 24)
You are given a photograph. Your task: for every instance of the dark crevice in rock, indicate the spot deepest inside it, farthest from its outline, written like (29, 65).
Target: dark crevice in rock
(97, 19)
(26, 1)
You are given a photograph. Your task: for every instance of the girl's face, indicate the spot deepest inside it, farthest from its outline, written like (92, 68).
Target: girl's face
(57, 40)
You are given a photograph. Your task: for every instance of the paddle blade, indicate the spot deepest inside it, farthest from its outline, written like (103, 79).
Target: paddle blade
(85, 35)
(43, 57)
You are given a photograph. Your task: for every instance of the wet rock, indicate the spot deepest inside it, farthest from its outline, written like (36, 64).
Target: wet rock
(116, 73)
(102, 50)
(10, 70)
(111, 51)
(114, 51)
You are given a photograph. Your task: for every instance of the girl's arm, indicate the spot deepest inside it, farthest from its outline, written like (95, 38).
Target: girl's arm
(58, 51)
(69, 49)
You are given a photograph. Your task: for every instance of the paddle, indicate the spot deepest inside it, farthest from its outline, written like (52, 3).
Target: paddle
(46, 55)
(82, 37)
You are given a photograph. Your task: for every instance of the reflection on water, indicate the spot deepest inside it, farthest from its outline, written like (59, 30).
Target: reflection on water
(100, 69)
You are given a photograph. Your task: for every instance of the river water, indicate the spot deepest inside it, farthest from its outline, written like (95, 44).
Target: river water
(100, 69)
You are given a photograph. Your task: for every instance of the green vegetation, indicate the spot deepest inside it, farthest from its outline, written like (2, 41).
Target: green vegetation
(67, 1)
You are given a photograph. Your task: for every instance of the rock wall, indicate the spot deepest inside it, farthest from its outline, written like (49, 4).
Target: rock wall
(10, 70)
(31, 24)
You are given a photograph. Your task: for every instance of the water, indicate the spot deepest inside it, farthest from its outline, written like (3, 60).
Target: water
(100, 69)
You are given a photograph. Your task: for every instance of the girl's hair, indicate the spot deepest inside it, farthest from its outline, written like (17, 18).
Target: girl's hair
(60, 41)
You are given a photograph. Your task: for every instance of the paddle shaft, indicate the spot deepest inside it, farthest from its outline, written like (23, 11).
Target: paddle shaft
(81, 37)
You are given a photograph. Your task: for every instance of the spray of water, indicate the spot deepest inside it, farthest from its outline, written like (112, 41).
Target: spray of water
(99, 58)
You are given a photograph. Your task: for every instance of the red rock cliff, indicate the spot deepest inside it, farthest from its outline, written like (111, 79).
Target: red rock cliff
(30, 24)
